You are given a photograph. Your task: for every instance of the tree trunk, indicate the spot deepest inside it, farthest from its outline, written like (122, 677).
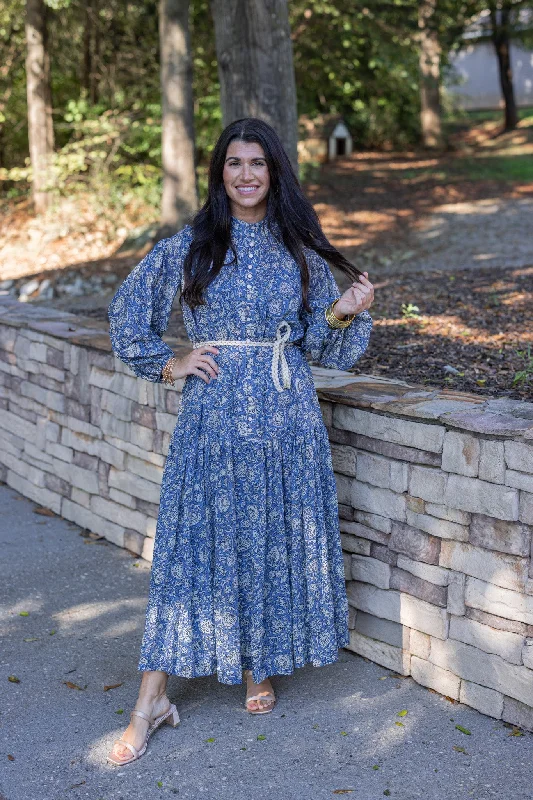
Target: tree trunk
(40, 124)
(255, 65)
(429, 65)
(500, 39)
(180, 196)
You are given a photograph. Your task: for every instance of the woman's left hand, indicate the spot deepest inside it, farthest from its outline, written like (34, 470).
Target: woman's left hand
(357, 298)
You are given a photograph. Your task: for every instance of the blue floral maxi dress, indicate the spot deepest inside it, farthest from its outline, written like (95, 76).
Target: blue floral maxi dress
(247, 569)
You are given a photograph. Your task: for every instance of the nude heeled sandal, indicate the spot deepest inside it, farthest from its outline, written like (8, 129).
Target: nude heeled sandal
(264, 696)
(170, 717)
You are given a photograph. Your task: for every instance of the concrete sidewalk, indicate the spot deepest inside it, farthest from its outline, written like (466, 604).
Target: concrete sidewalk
(335, 729)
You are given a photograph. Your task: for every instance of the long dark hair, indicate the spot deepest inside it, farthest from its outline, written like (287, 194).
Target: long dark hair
(288, 210)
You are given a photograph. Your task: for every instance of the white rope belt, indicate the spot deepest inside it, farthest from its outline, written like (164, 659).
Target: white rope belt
(278, 355)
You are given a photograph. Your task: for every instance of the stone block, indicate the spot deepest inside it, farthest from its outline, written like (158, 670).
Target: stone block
(112, 426)
(39, 494)
(460, 453)
(525, 513)
(427, 572)
(484, 700)
(117, 405)
(434, 677)
(420, 644)
(490, 640)
(80, 410)
(152, 472)
(80, 497)
(352, 617)
(133, 541)
(376, 521)
(353, 544)
(165, 422)
(85, 461)
(148, 549)
(103, 479)
(363, 531)
(150, 509)
(390, 604)
(138, 452)
(327, 412)
(17, 426)
(510, 572)
(343, 459)
(499, 623)
(519, 456)
(427, 483)
(482, 668)
(86, 518)
(56, 484)
(46, 397)
(16, 463)
(141, 437)
(383, 630)
(518, 714)
(456, 593)
(345, 512)
(527, 652)
(344, 489)
(513, 538)
(410, 584)
(381, 471)
(122, 498)
(415, 504)
(398, 431)
(173, 402)
(134, 485)
(380, 653)
(423, 616)
(498, 601)
(520, 480)
(450, 514)
(414, 544)
(143, 415)
(491, 461)
(442, 528)
(481, 497)
(347, 561)
(382, 553)
(370, 570)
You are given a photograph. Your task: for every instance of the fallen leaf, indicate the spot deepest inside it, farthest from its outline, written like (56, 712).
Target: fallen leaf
(376, 766)
(112, 686)
(75, 785)
(13, 679)
(31, 639)
(212, 739)
(52, 632)
(261, 737)
(44, 512)
(342, 791)
(343, 733)
(73, 685)
(516, 732)
(387, 792)
(400, 724)
(159, 784)
(119, 711)
(10, 757)
(402, 713)
(460, 750)
(463, 730)
(24, 613)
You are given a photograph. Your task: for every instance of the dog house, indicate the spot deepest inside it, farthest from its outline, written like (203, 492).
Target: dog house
(323, 139)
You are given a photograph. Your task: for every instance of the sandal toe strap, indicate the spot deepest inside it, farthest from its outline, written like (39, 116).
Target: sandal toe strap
(133, 750)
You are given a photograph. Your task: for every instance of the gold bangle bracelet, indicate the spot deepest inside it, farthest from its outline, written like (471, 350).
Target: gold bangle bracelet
(166, 372)
(333, 321)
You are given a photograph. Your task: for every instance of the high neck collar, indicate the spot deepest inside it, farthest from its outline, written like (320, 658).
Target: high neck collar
(242, 225)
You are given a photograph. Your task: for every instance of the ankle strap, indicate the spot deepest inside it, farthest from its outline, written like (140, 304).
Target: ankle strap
(142, 715)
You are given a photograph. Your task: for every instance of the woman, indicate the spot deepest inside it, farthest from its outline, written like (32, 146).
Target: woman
(247, 569)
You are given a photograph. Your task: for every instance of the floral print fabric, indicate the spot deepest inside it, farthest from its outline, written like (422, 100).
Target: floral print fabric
(247, 569)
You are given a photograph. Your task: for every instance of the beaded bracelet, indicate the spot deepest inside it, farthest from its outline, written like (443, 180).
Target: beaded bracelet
(166, 372)
(335, 322)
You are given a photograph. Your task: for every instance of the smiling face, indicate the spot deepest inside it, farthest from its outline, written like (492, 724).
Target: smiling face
(246, 180)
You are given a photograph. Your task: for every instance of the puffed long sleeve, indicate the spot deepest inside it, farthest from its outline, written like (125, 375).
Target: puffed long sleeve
(140, 309)
(337, 348)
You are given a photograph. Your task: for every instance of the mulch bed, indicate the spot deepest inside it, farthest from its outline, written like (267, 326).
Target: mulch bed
(477, 322)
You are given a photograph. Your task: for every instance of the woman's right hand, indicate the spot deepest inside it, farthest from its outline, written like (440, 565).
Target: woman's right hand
(197, 362)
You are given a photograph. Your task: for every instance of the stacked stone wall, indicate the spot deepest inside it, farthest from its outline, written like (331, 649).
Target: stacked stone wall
(435, 493)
